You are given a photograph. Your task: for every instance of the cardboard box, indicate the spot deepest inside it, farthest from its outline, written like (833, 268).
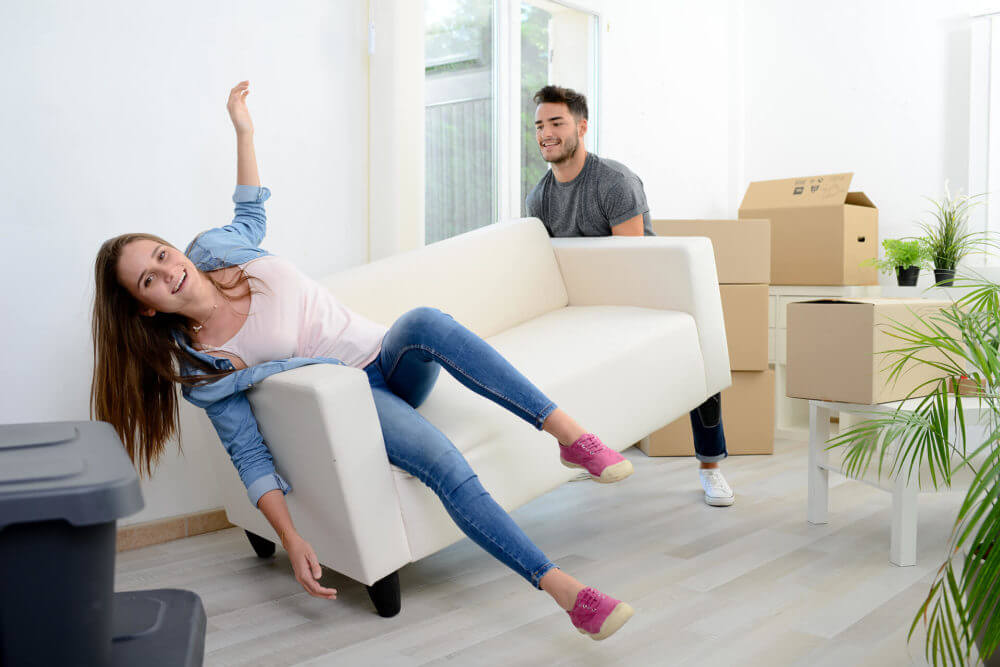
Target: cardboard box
(747, 420)
(836, 349)
(821, 233)
(744, 309)
(742, 248)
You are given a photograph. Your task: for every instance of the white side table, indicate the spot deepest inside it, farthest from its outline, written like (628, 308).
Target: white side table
(904, 489)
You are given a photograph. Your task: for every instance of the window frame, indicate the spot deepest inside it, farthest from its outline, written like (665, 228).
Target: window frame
(507, 102)
(507, 139)
(984, 121)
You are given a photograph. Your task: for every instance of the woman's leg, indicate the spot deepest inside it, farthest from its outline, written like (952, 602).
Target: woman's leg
(418, 447)
(424, 339)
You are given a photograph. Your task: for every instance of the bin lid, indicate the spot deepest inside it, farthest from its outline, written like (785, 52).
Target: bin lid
(77, 471)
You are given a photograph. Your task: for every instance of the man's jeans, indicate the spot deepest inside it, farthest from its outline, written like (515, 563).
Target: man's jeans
(706, 428)
(414, 350)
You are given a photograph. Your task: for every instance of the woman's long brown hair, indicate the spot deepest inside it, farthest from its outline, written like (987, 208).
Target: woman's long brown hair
(137, 361)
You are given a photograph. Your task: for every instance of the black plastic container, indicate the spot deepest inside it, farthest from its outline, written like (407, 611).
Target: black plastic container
(944, 277)
(62, 488)
(158, 628)
(907, 277)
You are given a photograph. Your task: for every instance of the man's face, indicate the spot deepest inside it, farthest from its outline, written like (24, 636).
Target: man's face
(558, 133)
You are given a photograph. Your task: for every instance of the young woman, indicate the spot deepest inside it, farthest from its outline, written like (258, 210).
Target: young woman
(225, 314)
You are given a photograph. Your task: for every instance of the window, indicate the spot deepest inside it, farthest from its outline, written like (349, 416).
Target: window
(558, 46)
(459, 119)
(484, 60)
(984, 122)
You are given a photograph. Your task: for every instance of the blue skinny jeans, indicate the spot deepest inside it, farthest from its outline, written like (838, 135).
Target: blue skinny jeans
(414, 350)
(706, 430)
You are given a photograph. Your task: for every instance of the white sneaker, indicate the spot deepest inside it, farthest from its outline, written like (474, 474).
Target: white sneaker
(717, 491)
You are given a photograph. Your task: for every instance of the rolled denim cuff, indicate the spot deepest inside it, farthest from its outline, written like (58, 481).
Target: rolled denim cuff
(250, 193)
(536, 576)
(544, 414)
(268, 482)
(711, 459)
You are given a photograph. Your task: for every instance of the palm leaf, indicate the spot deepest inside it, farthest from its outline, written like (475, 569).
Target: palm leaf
(961, 601)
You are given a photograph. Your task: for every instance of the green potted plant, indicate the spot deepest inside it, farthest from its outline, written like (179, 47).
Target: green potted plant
(961, 608)
(904, 257)
(947, 238)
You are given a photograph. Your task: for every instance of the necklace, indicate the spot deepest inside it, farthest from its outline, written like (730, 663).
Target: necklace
(199, 327)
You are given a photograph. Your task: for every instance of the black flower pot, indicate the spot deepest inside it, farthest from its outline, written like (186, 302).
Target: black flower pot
(907, 277)
(944, 277)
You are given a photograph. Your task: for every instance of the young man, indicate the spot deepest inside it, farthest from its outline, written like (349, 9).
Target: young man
(584, 195)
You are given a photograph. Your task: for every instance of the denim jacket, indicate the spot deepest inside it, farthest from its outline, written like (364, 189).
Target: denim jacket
(225, 399)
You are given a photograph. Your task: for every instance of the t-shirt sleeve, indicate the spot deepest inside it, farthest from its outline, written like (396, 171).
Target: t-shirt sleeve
(533, 202)
(625, 201)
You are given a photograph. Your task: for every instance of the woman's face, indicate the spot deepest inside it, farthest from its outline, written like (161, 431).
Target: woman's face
(159, 276)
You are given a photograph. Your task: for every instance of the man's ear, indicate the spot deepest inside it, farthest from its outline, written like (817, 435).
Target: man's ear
(582, 127)
(147, 312)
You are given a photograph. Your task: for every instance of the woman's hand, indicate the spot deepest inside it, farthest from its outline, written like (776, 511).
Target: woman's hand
(237, 106)
(306, 566)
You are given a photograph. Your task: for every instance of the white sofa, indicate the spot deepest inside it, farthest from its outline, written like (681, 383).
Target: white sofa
(626, 334)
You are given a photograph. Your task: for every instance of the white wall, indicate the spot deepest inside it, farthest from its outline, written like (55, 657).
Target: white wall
(699, 99)
(114, 120)
(877, 88)
(396, 142)
(666, 100)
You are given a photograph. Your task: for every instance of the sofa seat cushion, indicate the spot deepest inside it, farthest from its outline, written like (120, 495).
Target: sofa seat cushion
(621, 371)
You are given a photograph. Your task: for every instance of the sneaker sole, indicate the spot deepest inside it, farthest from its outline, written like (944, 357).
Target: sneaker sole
(615, 620)
(719, 502)
(610, 475)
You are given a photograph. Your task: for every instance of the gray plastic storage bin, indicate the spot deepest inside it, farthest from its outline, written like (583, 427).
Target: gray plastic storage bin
(158, 628)
(62, 488)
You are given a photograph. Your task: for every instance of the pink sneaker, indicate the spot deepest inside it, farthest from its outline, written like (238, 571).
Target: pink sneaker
(597, 614)
(604, 465)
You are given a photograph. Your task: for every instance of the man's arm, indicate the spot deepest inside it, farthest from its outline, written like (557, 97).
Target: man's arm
(631, 227)
(624, 205)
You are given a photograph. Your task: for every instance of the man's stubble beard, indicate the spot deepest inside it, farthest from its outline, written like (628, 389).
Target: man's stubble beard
(568, 153)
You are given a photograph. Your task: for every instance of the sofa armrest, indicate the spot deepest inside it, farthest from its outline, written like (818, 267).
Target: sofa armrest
(320, 424)
(652, 272)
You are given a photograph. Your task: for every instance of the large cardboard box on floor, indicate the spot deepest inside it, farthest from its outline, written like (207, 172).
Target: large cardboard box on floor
(821, 234)
(837, 349)
(742, 247)
(744, 310)
(747, 420)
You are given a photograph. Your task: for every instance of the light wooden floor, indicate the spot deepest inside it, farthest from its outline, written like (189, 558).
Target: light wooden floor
(752, 584)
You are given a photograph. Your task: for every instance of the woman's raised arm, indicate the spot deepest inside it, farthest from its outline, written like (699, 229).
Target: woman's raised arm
(246, 157)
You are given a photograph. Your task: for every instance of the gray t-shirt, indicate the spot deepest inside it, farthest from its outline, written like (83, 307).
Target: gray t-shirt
(605, 193)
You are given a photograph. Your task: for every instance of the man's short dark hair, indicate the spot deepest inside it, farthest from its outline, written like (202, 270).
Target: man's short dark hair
(576, 102)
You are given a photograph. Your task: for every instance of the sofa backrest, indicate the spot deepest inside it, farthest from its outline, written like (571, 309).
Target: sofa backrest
(489, 279)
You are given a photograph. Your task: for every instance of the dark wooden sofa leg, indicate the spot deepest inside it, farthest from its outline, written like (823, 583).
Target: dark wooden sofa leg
(384, 594)
(263, 546)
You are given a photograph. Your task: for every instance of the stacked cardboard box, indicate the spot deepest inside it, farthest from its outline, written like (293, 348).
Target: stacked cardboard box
(821, 233)
(843, 349)
(822, 236)
(742, 259)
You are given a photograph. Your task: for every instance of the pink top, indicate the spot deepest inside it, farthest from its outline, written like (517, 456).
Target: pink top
(292, 315)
